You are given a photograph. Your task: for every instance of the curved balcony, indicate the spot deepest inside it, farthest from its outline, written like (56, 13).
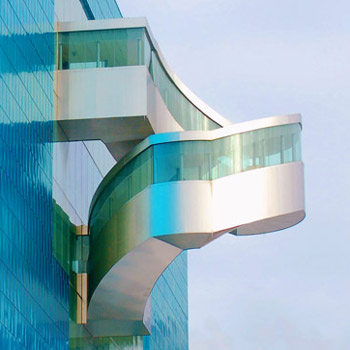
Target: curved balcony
(177, 191)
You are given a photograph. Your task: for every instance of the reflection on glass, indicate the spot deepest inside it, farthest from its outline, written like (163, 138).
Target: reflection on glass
(130, 180)
(185, 113)
(197, 160)
(103, 48)
(177, 161)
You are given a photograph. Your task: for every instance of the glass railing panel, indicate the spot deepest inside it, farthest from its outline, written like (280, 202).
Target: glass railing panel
(184, 112)
(130, 180)
(225, 156)
(253, 150)
(273, 146)
(167, 162)
(196, 160)
(103, 48)
(140, 173)
(291, 143)
(200, 160)
(178, 161)
(107, 48)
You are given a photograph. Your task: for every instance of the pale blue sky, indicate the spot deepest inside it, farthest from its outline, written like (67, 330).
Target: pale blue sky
(251, 59)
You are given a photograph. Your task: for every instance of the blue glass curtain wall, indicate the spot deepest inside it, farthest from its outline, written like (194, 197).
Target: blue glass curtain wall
(102, 9)
(34, 309)
(169, 302)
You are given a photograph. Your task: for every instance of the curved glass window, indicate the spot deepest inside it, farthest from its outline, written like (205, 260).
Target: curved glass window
(130, 180)
(185, 113)
(197, 160)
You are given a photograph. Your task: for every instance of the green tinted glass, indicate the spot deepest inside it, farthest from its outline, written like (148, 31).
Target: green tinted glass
(185, 113)
(130, 180)
(103, 48)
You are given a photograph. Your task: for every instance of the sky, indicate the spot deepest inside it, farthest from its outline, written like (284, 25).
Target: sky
(248, 60)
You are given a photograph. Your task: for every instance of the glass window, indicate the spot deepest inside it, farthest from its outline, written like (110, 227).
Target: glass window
(130, 180)
(185, 113)
(103, 48)
(168, 162)
(196, 160)
(106, 48)
(253, 146)
(291, 143)
(224, 156)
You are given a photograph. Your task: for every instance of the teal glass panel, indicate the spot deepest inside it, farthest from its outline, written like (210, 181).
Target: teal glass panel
(253, 146)
(196, 160)
(103, 48)
(169, 303)
(225, 156)
(34, 299)
(101, 9)
(178, 161)
(291, 144)
(185, 113)
(273, 147)
(130, 180)
(168, 162)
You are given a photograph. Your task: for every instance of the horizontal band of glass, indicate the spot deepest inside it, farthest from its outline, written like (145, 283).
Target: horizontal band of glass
(196, 160)
(184, 112)
(128, 47)
(103, 48)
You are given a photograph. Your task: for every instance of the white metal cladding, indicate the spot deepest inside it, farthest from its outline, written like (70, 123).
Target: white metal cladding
(185, 215)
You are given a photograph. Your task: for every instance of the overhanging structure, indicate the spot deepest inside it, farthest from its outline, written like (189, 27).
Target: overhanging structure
(185, 175)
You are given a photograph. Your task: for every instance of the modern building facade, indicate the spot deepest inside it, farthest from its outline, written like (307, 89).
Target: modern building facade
(110, 169)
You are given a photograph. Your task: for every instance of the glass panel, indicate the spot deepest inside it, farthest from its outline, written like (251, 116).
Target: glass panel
(91, 49)
(187, 160)
(130, 180)
(106, 44)
(273, 146)
(296, 144)
(223, 156)
(196, 160)
(253, 145)
(147, 50)
(185, 113)
(103, 48)
(168, 162)
(291, 143)
(129, 47)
